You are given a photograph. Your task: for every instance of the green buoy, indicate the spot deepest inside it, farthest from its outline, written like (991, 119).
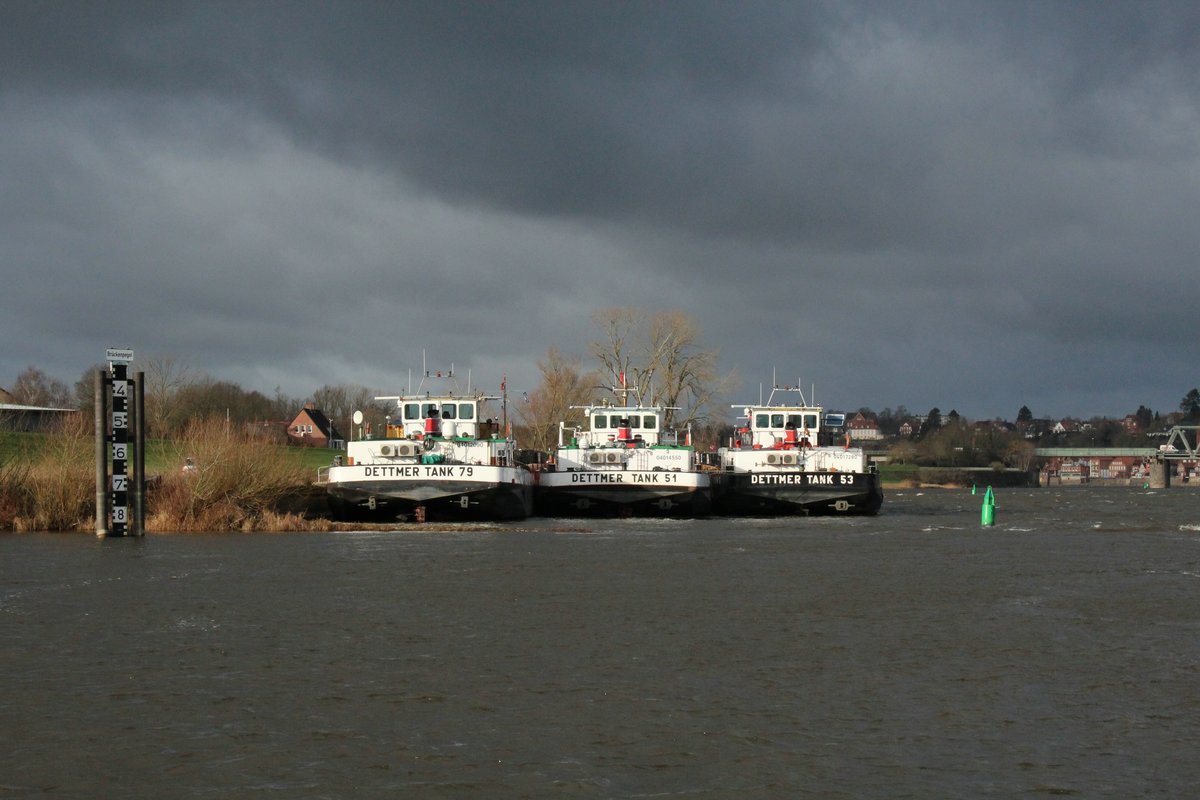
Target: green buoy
(988, 515)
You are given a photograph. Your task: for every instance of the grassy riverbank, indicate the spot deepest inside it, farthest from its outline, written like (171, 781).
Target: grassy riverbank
(47, 482)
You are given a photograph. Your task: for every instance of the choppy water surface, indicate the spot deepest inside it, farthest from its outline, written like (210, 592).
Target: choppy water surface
(909, 655)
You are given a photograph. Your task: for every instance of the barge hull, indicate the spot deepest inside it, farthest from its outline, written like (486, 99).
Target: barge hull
(445, 502)
(557, 495)
(796, 494)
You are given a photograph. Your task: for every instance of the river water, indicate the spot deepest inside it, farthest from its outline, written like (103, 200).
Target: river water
(914, 654)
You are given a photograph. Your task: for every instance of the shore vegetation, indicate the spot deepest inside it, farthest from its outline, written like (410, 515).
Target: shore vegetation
(47, 482)
(233, 481)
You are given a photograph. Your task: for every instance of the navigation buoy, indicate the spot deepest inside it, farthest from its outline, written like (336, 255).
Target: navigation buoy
(988, 514)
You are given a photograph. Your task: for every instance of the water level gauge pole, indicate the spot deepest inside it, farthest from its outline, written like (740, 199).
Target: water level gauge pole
(118, 363)
(120, 450)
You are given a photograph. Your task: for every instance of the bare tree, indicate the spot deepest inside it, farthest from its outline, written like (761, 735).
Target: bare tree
(661, 358)
(166, 377)
(616, 349)
(1020, 453)
(339, 402)
(207, 398)
(85, 389)
(34, 387)
(333, 400)
(283, 407)
(684, 373)
(563, 385)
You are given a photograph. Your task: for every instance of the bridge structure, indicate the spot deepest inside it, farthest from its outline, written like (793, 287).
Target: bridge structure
(1182, 444)
(1179, 454)
(1179, 446)
(1096, 452)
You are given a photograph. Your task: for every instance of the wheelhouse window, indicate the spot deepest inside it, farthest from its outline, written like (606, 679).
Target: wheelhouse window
(649, 422)
(810, 421)
(777, 420)
(466, 411)
(412, 411)
(449, 411)
(599, 422)
(762, 420)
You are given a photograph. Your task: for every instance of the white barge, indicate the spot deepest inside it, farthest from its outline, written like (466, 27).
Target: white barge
(439, 460)
(787, 459)
(622, 464)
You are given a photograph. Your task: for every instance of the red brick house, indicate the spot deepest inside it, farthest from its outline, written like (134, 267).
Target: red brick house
(311, 428)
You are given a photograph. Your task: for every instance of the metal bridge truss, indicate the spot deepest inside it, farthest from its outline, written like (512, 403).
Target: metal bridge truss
(1181, 443)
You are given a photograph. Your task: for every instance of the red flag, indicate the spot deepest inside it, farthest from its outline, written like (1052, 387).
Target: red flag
(503, 384)
(622, 377)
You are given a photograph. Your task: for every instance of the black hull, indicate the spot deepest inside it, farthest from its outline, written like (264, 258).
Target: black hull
(742, 494)
(463, 502)
(592, 502)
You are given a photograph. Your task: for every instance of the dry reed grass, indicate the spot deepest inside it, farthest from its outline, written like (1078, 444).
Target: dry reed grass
(237, 484)
(53, 488)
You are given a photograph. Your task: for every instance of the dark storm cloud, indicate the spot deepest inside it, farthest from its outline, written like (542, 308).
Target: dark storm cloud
(595, 109)
(918, 201)
(763, 120)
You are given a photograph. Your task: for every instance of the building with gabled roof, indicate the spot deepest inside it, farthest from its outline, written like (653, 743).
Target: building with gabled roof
(311, 428)
(861, 426)
(1065, 425)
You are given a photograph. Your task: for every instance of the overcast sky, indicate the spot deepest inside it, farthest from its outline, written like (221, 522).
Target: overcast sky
(968, 205)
